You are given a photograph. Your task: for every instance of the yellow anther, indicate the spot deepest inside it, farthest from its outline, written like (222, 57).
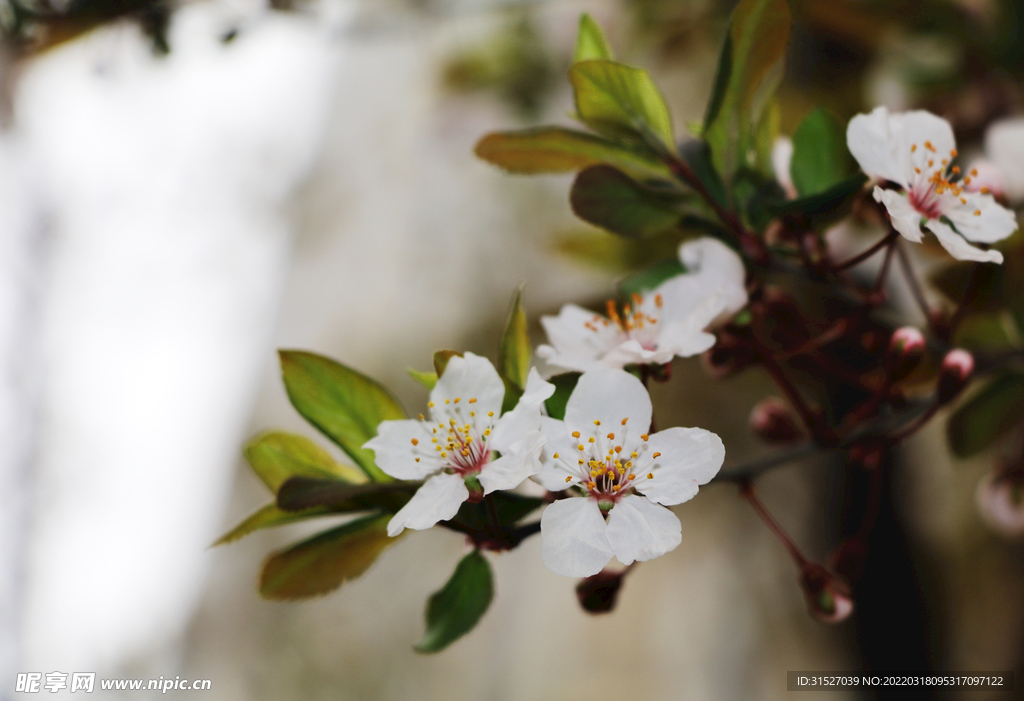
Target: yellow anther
(590, 440)
(569, 478)
(632, 477)
(984, 190)
(458, 399)
(627, 418)
(433, 440)
(472, 400)
(977, 212)
(444, 455)
(596, 422)
(580, 447)
(928, 145)
(415, 441)
(465, 452)
(487, 431)
(618, 449)
(472, 414)
(650, 475)
(913, 148)
(591, 485)
(633, 455)
(417, 459)
(611, 436)
(447, 401)
(421, 417)
(955, 169)
(644, 436)
(917, 170)
(954, 153)
(629, 463)
(555, 456)
(655, 456)
(931, 163)
(945, 161)
(575, 434)
(658, 301)
(580, 462)
(451, 422)
(430, 404)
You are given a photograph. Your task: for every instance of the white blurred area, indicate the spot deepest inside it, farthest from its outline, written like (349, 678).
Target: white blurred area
(168, 223)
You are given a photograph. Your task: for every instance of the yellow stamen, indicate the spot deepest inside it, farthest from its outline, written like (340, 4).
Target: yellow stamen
(555, 456)
(472, 400)
(415, 441)
(650, 475)
(644, 436)
(977, 212)
(655, 456)
(575, 434)
(569, 478)
(611, 436)
(430, 404)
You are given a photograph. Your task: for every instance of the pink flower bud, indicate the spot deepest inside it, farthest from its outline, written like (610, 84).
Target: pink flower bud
(773, 422)
(1000, 501)
(599, 593)
(906, 348)
(957, 368)
(828, 597)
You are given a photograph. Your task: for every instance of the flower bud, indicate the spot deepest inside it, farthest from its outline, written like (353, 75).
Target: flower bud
(957, 368)
(773, 422)
(599, 593)
(906, 348)
(1000, 499)
(828, 598)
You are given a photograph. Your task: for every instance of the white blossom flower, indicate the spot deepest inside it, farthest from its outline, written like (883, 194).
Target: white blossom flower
(458, 440)
(671, 320)
(626, 477)
(916, 150)
(1002, 168)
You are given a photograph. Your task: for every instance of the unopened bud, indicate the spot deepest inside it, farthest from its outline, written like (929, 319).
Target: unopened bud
(906, 348)
(828, 598)
(1000, 501)
(957, 368)
(773, 422)
(599, 593)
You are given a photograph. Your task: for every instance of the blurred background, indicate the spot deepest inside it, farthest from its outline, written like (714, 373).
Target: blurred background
(185, 187)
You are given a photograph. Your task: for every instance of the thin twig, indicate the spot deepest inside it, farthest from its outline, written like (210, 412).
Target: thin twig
(864, 255)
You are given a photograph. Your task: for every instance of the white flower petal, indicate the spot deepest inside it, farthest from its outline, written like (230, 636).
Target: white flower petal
(552, 475)
(470, 376)
(640, 530)
(689, 457)
(1004, 146)
(520, 461)
(395, 453)
(718, 270)
(525, 416)
(920, 126)
(438, 499)
(877, 142)
(577, 340)
(573, 542)
(958, 246)
(631, 352)
(609, 396)
(992, 223)
(905, 219)
(782, 158)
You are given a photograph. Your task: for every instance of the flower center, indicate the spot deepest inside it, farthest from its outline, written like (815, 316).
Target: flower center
(638, 321)
(604, 470)
(458, 437)
(936, 184)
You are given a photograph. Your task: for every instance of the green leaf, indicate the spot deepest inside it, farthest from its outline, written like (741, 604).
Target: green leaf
(514, 352)
(652, 277)
(441, 359)
(987, 415)
(616, 254)
(621, 101)
(269, 517)
(458, 606)
(590, 41)
(820, 158)
(988, 331)
(564, 385)
(509, 507)
(697, 155)
(427, 379)
(610, 199)
(300, 493)
(275, 456)
(749, 71)
(345, 405)
(825, 207)
(558, 150)
(326, 561)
